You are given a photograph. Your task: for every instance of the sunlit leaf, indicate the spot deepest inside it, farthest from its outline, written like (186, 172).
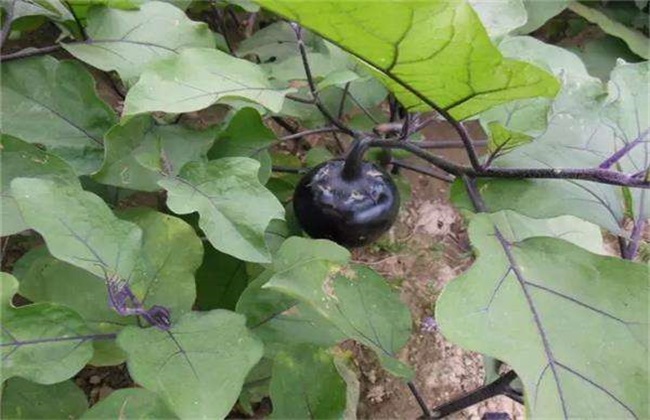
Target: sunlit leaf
(424, 51)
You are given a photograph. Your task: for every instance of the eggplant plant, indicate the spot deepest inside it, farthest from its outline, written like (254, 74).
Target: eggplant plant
(162, 212)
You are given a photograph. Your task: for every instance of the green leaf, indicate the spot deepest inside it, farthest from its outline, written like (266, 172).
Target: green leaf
(246, 136)
(502, 139)
(197, 78)
(637, 42)
(43, 342)
(294, 392)
(78, 227)
(21, 159)
(198, 367)
(43, 279)
(128, 41)
(163, 275)
(22, 399)
(256, 386)
(220, 280)
(139, 152)
(61, 97)
(281, 321)
(234, 207)
(500, 17)
(355, 299)
(52, 9)
(130, 403)
(337, 78)
(454, 66)
(556, 298)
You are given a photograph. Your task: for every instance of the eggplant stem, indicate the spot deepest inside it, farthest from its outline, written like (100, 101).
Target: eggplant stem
(354, 160)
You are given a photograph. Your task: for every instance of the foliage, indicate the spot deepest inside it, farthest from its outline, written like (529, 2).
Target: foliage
(165, 231)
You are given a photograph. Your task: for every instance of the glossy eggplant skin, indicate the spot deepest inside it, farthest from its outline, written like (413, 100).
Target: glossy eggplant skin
(351, 213)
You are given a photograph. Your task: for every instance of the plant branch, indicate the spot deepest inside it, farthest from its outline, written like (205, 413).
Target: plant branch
(498, 387)
(610, 161)
(290, 170)
(301, 134)
(312, 86)
(423, 171)
(29, 52)
(448, 144)
(6, 27)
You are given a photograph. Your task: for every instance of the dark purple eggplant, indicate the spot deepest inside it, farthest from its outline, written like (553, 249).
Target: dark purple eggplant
(349, 201)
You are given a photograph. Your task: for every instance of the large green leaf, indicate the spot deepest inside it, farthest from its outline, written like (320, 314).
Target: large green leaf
(130, 403)
(294, 392)
(139, 152)
(78, 226)
(197, 78)
(43, 342)
(22, 399)
(21, 159)
(435, 51)
(61, 97)
(163, 275)
(579, 320)
(128, 41)
(234, 207)
(355, 299)
(247, 136)
(198, 367)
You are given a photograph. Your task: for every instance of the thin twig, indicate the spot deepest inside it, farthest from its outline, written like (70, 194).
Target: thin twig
(423, 405)
(29, 52)
(343, 96)
(299, 99)
(309, 132)
(448, 144)
(312, 86)
(6, 27)
(290, 170)
(423, 171)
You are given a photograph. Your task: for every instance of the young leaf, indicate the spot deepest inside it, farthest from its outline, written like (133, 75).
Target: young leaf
(197, 78)
(503, 139)
(128, 41)
(43, 342)
(60, 96)
(198, 367)
(78, 227)
(454, 66)
(139, 152)
(234, 207)
(557, 298)
(22, 399)
(21, 159)
(246, 136)
(295, 393)
(130, 403)
(355, 299)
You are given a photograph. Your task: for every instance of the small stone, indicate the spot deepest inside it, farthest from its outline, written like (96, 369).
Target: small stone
(94, 380)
